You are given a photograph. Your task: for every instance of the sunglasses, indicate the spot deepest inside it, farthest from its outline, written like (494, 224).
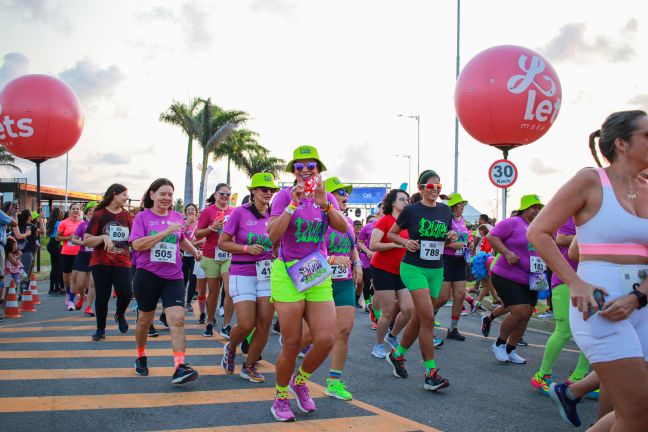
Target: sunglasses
(224, 194)
(265, 189)
(298, 166)
(402, 199)
(342, 192)
(433, 186)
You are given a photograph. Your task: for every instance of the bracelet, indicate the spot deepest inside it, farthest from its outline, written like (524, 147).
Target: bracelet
(328, 208)
(294, 204)
(245, 249)
(290, 209)
(331, 259)
(357, 263)
(212, 229)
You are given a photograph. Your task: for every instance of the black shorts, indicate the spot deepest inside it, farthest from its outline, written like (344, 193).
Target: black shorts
(149, 288)
(385, 281)
(82, 261)
(513, 293)
(67, 263)
(454, 268)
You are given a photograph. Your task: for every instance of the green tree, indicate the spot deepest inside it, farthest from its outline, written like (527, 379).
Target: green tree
(7, 160)
(184, 116)
(178, 205)
(260, 161)
(241, 143)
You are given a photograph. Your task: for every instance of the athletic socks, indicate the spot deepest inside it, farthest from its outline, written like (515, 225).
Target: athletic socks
(335, 374)
(400, 351)
(454, 321)
(302, 377)
(509, 348)
(178, 358)
(249, 337)
(141, 352)
(499, 342)
(282, 392)
(429, 366)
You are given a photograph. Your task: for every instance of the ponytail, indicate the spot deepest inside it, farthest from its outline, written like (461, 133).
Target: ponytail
(592, 145)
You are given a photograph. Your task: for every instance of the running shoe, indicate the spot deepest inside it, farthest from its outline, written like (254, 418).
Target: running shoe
(304, 351)
(546, 315)
(337, 389)
(438, 343)
(281, 410)
(391, 340)
(379, 351)
(372, 315)
(88, 312)
(141, 366)
(302, 396)
(566, 406)
(541, 383)
(122, 323)
(500, 352)
(464, 311)
(434, 381)
(455, 335)
(437, 323)
(209, 330)
(374, 326)
(390, 327)
(188, 307)
(515, 358)
(153, 332)
(99, 335)
(228, 360)
(276, 330)
(221, 311)
(79, 303)
(184, 374)
(486, 326)
(69, 306)
(225, 331)
(250, 373)
(163, 321)
(473, 307)
(397, 364)
(245, 346)
(522, 343)
(201, 320)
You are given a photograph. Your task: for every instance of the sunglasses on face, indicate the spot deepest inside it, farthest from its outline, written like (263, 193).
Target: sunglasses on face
(402, 199)
(298, 166)
(265, 189)
(433, 186)
(224, 194)
(342, 192)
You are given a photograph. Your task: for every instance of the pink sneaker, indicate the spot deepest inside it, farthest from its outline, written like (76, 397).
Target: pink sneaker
(281, 410)
(302, 396)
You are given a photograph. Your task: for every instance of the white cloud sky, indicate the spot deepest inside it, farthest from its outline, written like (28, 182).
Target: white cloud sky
(332, 74)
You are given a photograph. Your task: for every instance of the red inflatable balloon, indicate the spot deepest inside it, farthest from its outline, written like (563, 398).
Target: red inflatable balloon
(40, 117)
(507, 96)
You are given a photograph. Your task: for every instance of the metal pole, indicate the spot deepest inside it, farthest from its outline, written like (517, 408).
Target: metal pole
(418, 145)
(67, 157)
(456, 158)
(504, 191)
(409, 174)
(38, 207)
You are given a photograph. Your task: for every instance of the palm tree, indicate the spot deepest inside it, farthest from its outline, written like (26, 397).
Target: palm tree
(256, 162)
(7, 160)
(236, 147)
(184, 116)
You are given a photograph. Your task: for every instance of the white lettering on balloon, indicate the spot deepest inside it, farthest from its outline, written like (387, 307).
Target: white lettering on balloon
(23, 127)
(545, 109)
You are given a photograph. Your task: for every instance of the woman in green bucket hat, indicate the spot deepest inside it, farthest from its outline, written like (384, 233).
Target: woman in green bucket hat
(245, 236)
(299, 218)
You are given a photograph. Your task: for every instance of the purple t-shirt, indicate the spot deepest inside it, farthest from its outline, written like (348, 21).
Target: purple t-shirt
(568, 228)
(306, 229)
(512, 232)
(340, 244)
(365, 237)
(458, 226)
(246, 229)
(80, 233)
(147, 223)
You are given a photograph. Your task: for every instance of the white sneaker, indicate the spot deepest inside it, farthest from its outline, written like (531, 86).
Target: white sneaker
(546, 315)
(379, 351)
(500, 353)
(393, 341)
(515, 358)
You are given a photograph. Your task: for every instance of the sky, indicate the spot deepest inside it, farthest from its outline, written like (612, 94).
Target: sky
(334, 74)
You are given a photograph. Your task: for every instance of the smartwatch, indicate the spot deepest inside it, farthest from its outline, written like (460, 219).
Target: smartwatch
(643, 300)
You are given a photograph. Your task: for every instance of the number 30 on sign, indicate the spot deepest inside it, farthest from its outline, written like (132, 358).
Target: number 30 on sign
(503, 173)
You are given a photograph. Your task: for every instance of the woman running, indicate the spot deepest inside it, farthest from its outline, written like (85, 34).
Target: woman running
(158, 238)
(188, 261)
(29, 234)
(110, 263)
(365, 257)
(608, 316)
(83, 279)
(517, 276)
(69, 251)
(215, 262)
(429, 224)
(54, 248)
(385, 269)
(245, 236)
(300, 280)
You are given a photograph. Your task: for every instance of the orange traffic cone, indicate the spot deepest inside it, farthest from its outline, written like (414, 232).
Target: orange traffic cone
(27, 302)
(11, 309)
(33, 286)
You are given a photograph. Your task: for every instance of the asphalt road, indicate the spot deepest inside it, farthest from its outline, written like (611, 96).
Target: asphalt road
(53, 377)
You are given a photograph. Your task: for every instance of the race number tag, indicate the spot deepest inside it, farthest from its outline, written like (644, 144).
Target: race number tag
(263, 269)
(431, 250)
(339, 272)
(118, 233)
(460, 252)
(222, 255)
(164, 252)
(632, 279)
(537, 265)
(538, 281)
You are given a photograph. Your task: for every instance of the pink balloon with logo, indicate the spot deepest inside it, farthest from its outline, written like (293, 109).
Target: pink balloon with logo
(507, 96)
(40, 117)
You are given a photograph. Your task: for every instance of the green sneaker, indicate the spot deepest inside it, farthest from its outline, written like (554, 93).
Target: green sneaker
(337, 389)
(437, 323)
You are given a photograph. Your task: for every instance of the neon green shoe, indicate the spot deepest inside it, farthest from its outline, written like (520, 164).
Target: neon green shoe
(337, 389)
(437, 323)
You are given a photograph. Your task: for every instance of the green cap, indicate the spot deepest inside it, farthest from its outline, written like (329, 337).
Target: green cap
(303, 153)
(456, 198)
(35, 215)
(529, 200)
(91, 204)
(332, 184)
(263, 180)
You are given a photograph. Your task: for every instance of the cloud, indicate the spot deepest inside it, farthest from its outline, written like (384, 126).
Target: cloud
(641, 100)
(572, 45)
(111, 158)
(157, 13)
(15, 64)
(349, 162)
(40, 12)
(285, 8)
(91, 82)
(539, 168)
(196, 26)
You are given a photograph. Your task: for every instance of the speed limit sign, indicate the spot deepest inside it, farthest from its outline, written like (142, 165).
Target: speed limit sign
(503, 173)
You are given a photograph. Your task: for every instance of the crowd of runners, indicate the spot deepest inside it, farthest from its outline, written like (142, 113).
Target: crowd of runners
(292, 256)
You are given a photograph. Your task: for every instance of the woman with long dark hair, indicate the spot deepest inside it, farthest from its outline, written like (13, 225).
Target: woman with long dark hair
(29, 234)
(188, 261)
(69, 251)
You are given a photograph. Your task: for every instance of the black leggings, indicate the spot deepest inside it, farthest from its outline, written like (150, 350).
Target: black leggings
(367, 290)
(56, 276)
(104, 278)
(187, 271)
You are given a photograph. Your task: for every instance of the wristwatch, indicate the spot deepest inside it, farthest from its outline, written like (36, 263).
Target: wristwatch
(643, 299)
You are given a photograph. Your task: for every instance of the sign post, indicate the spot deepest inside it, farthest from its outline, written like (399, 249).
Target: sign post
(503, 174)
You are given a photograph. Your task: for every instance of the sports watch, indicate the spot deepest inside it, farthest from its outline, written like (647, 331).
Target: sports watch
(643, 299)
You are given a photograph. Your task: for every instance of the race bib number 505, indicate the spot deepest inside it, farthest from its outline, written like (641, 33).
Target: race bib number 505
(164, 252)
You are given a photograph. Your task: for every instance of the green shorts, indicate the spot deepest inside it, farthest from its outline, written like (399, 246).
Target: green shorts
(213, 268)
(282, 288)
(344, 293)
(416, 278)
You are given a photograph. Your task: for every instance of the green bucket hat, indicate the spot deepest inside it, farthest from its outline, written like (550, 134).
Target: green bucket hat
(35, 215)
(528, 200)
(303, 153)
(91, 204)
(263, 180)
(456, 198)
(332, 184)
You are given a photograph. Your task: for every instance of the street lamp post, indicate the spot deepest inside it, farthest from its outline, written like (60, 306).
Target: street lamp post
(418, 139)
(409, 171)
(456, 155)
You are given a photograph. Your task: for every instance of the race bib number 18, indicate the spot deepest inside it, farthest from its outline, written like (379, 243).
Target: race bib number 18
(431, 250)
